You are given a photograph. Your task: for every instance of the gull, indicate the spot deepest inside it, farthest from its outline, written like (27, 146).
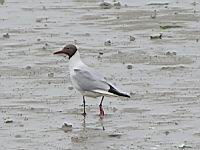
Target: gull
(86, 80)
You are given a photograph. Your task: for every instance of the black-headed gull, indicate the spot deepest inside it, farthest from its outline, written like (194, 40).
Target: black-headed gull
(86, 80)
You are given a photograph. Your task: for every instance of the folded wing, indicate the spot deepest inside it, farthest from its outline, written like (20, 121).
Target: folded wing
(88, 79)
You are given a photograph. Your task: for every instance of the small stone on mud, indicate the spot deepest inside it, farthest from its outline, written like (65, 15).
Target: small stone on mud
(70, 88)
(6, 35)
(39, 19)
(117, 5)
(117, 135)
(169, 26)
(157, 36)
(166, 132)
(87, 34)
(28, 67)
(26, 118)
(18, 136)
(174, 53)
(105, 5)
(183, 146)
(176, 13)
(107, 43)
(129, 66)
(194, 3)
(100, 53)
(132, 38)
(153, 15)
(43, 7)
(66, 127)
(170, 53)
(51, 75)
(114, 109)
(9, 121)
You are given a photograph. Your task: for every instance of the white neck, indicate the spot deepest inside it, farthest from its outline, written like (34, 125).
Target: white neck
(75, 60)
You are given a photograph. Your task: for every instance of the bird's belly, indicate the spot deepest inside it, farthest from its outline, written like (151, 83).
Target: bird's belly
(90, 94)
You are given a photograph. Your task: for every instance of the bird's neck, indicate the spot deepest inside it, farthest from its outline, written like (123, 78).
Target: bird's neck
(75, 60)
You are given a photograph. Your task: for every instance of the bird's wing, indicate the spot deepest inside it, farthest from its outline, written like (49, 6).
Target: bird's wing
(89, 80)
(89, 74)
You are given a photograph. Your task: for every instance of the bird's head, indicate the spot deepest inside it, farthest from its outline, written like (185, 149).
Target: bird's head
(68, 50)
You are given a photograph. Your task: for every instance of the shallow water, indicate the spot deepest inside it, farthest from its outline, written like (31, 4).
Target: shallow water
(36, 97)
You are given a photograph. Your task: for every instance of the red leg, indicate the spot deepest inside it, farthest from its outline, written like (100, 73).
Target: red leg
(101, 108)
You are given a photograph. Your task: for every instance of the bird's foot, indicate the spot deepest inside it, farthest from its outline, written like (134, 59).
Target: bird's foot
(84, 114)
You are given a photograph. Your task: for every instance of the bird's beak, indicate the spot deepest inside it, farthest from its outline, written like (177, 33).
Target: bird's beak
(59, 52)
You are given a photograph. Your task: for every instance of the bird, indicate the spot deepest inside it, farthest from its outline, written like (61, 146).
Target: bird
(86, 80)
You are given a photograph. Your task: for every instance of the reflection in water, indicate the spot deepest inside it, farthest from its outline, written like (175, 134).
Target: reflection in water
(102, 123)
(100, 120)
(2, 2)
(85, 137)
(84, 124)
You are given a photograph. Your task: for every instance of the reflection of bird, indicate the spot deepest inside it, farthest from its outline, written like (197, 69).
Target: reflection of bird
(86, 80)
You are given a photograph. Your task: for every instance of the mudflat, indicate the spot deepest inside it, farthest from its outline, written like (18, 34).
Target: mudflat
(150, 49)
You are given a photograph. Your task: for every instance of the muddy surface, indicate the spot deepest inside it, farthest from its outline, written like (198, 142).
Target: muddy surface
(39, 109)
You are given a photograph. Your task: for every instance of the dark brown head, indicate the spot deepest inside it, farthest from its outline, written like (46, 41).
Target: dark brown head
(68, 50)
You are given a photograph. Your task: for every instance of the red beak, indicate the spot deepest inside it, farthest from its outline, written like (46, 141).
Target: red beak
(59, 52)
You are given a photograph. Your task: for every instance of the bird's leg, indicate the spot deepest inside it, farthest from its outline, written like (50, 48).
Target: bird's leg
(101, 108)
(84, 113)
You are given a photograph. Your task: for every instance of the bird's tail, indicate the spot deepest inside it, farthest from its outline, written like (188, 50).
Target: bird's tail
(116, 92)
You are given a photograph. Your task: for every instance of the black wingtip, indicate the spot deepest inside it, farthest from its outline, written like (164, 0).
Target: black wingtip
(114, 91)
(125, 95)
(128, 96)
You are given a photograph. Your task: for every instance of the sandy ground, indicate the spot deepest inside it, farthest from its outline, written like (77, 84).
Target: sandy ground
(36, 95)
